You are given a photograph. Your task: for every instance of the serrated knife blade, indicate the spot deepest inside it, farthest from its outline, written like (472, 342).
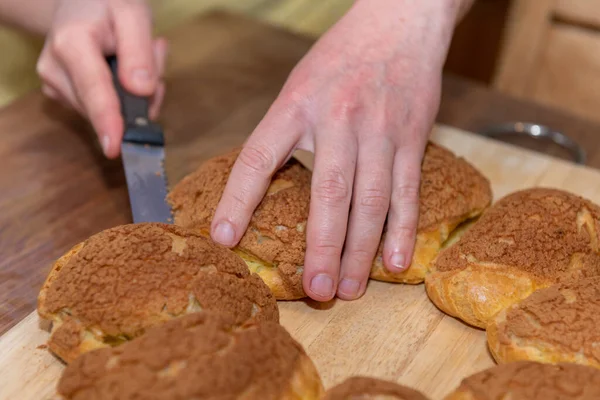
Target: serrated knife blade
(142, 152)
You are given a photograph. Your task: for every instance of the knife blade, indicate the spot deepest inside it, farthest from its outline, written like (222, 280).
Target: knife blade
(143, 153)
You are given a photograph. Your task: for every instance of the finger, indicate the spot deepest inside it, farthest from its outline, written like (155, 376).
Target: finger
(370, 203)
(133, 30)
(160, 55)
(404, 209)
(333, 176)
(265, 151)
(56, 82)
(160, 48)
(84, 62)
(156, 100)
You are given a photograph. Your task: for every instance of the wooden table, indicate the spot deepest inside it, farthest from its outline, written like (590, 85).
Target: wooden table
(57, 189)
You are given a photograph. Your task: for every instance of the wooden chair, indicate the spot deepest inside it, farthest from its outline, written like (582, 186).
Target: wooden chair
(551, 54)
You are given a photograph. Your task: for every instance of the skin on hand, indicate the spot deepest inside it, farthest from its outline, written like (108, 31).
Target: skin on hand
(363, 100)
(74, 70)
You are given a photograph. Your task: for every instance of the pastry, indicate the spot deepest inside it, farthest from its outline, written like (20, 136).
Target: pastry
(452, 192)
(556, 324)
(528, 240)
(274, 243)
(364, 388)
(197, 356)
(273, 246)
(529, 380)
(119, 282)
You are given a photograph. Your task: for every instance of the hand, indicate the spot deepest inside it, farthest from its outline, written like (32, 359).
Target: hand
(74, 70)
(364, 100)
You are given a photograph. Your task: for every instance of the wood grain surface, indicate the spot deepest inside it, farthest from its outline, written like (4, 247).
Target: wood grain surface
(57, 190)
(393, 332)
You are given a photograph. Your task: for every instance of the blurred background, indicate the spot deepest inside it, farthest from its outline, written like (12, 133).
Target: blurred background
(547, 51)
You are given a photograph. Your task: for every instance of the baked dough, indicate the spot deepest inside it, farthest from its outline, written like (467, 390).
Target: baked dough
(274, 243)
(528, 380)
(556, 324)
(452, 192)
(123, 280)
(528, 240)
(273, 246)
(197, 356)
(366, 388)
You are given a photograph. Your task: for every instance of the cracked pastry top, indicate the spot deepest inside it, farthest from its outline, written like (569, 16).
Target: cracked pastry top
(113, 286)
(556, 324)
(452, 192)
(529, 380)
(528, 240)
(197, 356)
(274, 244)
(367, 388)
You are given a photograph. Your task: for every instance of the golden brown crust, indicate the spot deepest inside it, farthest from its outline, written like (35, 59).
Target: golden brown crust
(526, 241)
(528, 380)
(557, 324)
(275, 237)
(365, 388)
(452, 191)
(125, 279)
(202, 355)
(273, 246)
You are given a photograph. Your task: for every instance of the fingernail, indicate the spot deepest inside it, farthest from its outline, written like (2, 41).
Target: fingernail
(349, 287)
(322, 285)
(224, 233)
(105, 143)
(140, 78)
(397, 261)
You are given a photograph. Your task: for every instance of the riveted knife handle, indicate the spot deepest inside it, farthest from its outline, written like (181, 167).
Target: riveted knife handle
(138, 127)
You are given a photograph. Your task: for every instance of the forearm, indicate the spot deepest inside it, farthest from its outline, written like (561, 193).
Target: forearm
(34, 16)
(409, 29)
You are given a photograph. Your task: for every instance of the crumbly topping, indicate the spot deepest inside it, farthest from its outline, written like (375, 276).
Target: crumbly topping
(528, 380)
(549, 233)
(128, 278)
(565, 315)
(196, 356)
(364, 388)
(276, 232)
(451, 188)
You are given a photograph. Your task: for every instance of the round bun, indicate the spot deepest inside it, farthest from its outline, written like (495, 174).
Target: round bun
(364, 388)
(452, 191)
(528, 240)
(273, 245)
(528, 380)
(121, 281)
(557, 324)
(197, 356)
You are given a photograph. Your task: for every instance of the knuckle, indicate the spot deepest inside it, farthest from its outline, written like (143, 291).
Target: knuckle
(403, 232)
(407, 194)
(258, 159)
(362, 254)
(332, 188)
(374, 202)
(327, 249)
(42, 68)
(62, 39)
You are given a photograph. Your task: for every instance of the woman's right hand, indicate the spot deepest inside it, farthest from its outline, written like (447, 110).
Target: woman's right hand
(73, 64)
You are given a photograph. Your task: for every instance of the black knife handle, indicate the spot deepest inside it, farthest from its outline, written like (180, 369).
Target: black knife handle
(138, 127)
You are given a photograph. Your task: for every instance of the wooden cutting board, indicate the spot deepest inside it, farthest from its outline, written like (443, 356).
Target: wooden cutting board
(393, 332)
(219, 88)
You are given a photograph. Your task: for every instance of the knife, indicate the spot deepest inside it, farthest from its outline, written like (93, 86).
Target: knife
(143, 153)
